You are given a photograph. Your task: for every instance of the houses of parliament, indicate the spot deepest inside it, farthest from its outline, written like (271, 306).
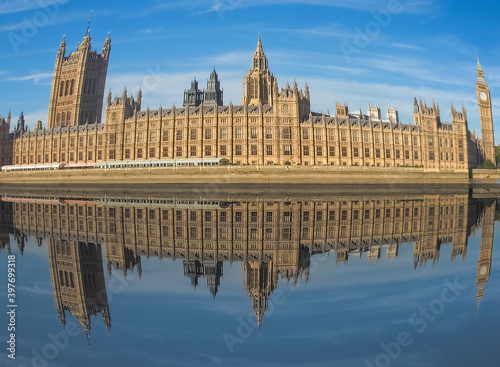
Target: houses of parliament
(273, 238)
(272, 125)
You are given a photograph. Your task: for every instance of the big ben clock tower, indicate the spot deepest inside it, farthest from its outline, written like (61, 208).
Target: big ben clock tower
(485, 114)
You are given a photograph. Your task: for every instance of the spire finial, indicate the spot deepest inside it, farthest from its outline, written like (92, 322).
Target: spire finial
(88, 26)
(478, 64)
(259, 44)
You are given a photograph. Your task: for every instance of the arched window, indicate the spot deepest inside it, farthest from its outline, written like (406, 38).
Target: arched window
(67, 88)
(61, 89)
(63, 118)
(68, 117)
(58, 117)
(72, 89)
(113, 117)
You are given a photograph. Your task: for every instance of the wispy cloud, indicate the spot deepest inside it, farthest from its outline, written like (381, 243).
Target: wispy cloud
(404, 45)
(223, 6)
(37, 78)
(16, 6)
(453, 42)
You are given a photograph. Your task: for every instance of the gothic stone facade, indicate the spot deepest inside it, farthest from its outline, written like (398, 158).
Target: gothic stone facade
(272, 127)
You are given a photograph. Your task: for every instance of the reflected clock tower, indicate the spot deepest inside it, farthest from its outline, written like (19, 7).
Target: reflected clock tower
(485, 252)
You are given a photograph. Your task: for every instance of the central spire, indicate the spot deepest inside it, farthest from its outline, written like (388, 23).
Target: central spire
(259, 45)
(259, 59)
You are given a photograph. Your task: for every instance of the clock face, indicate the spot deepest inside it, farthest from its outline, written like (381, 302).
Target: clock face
(483, 96)
(483, 270)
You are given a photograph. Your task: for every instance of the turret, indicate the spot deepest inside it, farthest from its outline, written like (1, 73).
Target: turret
(62, 48)
(106, 49)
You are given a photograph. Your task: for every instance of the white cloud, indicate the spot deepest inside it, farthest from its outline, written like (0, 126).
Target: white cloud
(37, 78)
(16, 6)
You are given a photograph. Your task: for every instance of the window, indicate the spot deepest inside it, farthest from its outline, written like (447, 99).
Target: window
(305, 133)
(407, 141)
(287, 133)
(253, 133)
(139, 153)
(223, 133)
(306, 150)
(127, 154)
(82, 141)
(331, 134)
(343, 135)
(269, 217)
(366, 137)
(208, 133)
(388, 153)
(152, 136)
(355, 136)
(367, 152)
(237, 217)
(460, 144)
(415, 142)
(269, 150)
(238, 133)
(152, 152)
(178, 151)
(208, 150)
(319, 151)
(140, 137)
(396, 139)
(269, 133)
(165, 135)
(407, 154)
(223, 150)
(253, 149)
(194, 134)
(192, 151)
(416, 154)
(178, 135)
(164, 152)
(398, 154)
(431, 142)
(111, 154)
(431, 155)
(318, 134)
(376, 137)
(332, 151)
(237, 150)
(287, 150)
(355, 152)
(253, 217)
(344, 152)
(223, 217)
(128, 138)
(377, 153)
(388, 138)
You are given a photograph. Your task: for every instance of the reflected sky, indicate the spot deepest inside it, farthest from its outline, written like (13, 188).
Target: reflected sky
(327, 297)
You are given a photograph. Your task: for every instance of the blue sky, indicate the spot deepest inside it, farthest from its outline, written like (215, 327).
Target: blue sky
(425, 48)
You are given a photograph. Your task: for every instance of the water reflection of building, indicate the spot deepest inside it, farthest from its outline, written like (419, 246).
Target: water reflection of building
(272, 239)
(78, 280)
